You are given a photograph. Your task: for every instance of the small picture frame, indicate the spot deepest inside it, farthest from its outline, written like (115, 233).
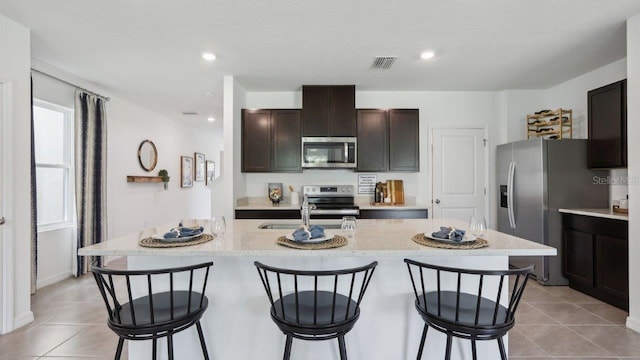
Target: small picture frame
(198, 168)
(211, 171)
(186, 171)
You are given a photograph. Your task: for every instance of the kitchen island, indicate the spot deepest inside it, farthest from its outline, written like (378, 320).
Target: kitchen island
(237, 324)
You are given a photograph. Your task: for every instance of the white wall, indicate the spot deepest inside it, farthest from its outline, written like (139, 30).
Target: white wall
(516, 105)
(15, 248)
(133, 206)
(232, 184)
(130, 206)
(633, 134)
(437, 109)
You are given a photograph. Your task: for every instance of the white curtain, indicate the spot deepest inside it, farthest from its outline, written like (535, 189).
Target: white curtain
(91, 173)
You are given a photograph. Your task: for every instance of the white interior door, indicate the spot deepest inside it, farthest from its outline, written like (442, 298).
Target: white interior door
(458, 173)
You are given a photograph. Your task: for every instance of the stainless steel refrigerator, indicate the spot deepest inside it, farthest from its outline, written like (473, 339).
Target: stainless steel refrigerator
(536, 177)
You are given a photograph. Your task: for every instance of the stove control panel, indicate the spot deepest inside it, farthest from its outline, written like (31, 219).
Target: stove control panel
(328, 190)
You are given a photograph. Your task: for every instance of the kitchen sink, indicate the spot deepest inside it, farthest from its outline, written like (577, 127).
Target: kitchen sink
(276, 225)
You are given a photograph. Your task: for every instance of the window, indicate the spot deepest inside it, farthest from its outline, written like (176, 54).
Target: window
(53, 145)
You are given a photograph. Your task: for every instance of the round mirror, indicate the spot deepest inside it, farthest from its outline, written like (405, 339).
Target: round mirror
(148, 155)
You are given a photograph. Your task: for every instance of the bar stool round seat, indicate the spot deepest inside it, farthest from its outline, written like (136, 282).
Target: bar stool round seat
(314, 316)
(474, 313)
(302, 309)
(135, 314)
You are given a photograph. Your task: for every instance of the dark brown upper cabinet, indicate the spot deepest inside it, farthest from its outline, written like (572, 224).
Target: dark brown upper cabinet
(607, 144)
(404, 140)
(388, 140)
(271, 141)
(373, 140)
(328, 110)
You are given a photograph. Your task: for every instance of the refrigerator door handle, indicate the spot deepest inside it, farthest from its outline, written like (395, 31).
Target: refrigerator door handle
(512, 217)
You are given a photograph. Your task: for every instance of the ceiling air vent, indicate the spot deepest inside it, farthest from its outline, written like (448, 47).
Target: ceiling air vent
(383, 62)
(189, 113)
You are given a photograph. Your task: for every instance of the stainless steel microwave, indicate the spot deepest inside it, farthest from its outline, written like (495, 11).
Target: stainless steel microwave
(329, 152)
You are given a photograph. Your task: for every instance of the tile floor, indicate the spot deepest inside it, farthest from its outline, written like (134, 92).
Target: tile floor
(553, 323)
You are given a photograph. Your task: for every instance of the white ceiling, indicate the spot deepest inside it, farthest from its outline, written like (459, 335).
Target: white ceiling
(148, 51)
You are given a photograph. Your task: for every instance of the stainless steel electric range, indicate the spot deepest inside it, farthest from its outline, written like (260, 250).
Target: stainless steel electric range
(331, 201)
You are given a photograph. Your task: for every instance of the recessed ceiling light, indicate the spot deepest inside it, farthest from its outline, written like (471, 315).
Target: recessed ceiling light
(211, 119)
(209, 56)
(426, 55)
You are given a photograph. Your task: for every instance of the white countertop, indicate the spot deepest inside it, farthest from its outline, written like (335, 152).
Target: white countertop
(602, 213)
(380, 237)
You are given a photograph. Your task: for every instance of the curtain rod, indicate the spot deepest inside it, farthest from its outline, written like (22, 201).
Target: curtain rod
(71, 84)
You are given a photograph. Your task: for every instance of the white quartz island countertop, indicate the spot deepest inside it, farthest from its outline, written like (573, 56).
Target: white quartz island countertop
(373, 237)
(389, 327)
(602, 213)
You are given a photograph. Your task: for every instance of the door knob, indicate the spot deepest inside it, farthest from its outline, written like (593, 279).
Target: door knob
(1, 220)
(437, 201)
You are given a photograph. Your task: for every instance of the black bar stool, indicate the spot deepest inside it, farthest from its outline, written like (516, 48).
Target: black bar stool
(475, 315)
(150, 315)
(315, 305)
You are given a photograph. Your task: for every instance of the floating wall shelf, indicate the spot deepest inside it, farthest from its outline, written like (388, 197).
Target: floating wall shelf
(144, 179)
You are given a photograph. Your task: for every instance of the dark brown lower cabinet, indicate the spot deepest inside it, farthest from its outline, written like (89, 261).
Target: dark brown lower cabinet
(596, 257)
(394, 214)
(364, 214)
(578, 261)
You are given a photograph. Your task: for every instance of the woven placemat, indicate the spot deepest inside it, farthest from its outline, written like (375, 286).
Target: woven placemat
(337, 241)
(155, 243)
(423, 240)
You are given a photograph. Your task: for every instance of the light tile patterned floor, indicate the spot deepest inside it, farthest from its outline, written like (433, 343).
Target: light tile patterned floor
(557, 322)
(553, 323)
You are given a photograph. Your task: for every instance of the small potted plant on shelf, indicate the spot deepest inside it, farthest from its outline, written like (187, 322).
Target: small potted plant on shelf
(164, 174)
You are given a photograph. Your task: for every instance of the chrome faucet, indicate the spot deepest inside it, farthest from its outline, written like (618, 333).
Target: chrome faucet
(305, 211)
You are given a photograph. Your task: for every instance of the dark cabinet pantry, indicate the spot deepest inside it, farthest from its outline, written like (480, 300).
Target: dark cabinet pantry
(607, 144)
(271, 140)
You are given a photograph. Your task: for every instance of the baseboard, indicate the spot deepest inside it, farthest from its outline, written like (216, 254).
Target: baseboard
(53, 279)
(23, 320)
(633, 324)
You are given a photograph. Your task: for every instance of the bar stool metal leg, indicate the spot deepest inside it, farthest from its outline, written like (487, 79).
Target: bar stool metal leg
(202, 343)
(447, 355)
(287, 347)
(422, 340)
(503, 353)
(170, 346)
(473, 349)
(119, 349)
(343, 348)
(155, 349)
